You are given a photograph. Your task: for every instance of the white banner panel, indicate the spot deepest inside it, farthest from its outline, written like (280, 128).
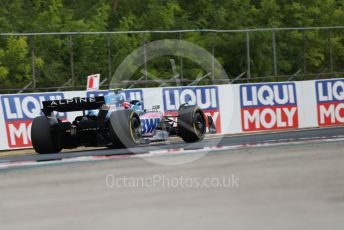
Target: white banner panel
(235, 108)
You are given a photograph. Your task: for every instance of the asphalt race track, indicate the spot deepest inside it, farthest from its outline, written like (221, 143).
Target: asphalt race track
(285, 180)
(228, 141)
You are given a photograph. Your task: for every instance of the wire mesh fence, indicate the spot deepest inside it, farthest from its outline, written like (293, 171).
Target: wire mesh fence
(55, 61)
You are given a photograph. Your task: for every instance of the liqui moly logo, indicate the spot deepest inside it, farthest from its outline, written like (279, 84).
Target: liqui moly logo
(330, 102)
(206, 98)
(268, 106)
(128, 94)
(19, 111)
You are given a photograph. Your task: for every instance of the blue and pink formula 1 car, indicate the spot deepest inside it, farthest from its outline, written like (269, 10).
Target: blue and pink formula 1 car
(115, 123)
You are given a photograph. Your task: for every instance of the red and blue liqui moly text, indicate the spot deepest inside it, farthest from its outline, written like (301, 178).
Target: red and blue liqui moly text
(205, 97)
(19, 111)
(268, 106)
(330, 102)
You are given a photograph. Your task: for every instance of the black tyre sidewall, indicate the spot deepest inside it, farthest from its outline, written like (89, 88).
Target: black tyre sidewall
(120, 131)
(186, 126)
(42, 138)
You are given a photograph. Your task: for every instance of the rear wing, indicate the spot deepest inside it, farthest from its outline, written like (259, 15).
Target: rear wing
(74, 104)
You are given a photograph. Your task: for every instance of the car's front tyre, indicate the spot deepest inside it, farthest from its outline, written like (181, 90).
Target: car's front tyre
(191, 123)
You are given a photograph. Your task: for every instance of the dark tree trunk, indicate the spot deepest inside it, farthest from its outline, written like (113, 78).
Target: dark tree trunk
(114, 5)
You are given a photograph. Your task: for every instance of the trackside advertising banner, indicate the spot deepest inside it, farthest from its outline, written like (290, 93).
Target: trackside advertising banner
(129, 94)
(268, 106)
(206, 97)
(234, 108)
(330, 102)
(18, 112)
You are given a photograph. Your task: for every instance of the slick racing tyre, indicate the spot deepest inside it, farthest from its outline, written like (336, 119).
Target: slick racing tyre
(124, 129)
(191, 123)
(43, 139)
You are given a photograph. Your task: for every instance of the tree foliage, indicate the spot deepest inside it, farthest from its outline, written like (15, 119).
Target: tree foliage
(308, 51)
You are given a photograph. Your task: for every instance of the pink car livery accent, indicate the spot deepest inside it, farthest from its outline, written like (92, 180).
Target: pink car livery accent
(149, 122)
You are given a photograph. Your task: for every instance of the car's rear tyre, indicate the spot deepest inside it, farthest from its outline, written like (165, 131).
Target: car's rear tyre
(124, 129)
(43, 140)
(191, 123)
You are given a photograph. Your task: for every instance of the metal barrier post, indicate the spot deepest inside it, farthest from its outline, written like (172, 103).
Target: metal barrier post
(71, 59)
(109, 55)
(248, 57)
(330, 49)
(33, 63)
(274, 52)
